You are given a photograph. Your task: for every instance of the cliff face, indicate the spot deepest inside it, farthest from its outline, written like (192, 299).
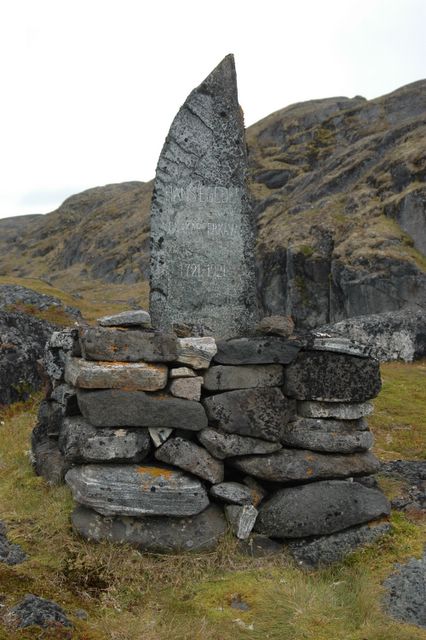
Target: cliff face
(340, 195)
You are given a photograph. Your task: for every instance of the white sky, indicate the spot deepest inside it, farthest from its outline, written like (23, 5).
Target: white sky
(89, 87)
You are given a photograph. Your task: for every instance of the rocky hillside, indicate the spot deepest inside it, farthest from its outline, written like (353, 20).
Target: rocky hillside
(340, 194)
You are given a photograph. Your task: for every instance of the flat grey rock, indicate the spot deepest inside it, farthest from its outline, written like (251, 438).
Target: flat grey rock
(196, 352)
(80, 442)
(226, 378)
(259, 413)
(232, 493)
(257, 350)
(131, 490)
(117, 408)
(339, 410)
(328, 435)
(321, 341)
(241, 518)
(319, 508)
(155, 534)
(191, 457)
(10, 553)
(326, 550)
(138, 317)
(131, 345)
(227, 445)
(332, 377)
(188, 388)
(406, 592)
(33, 610)
(202, 223)
(131, 376)
(299, 465)
(181, 372)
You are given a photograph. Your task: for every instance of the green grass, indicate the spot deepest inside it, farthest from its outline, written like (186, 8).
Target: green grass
(130, 596)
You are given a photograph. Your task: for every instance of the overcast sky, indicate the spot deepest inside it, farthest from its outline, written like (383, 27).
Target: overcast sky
(89, 87)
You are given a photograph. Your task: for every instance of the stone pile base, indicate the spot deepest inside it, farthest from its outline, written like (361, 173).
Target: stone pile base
(165, 442)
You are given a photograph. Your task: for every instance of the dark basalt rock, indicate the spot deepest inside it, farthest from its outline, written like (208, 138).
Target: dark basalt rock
(299, 465)
(406, 597)
(10, 553)
(326, 550)
(257, 350)
(332, 436)
(131, 345)
(38, 611)
(227, 378)
(47, 460)
(154, 534)
(130, 490)
(319, 508)
(202, 225)
(260, 413)
(232, 493)
(226, 445)
(191, 457)
(117, 408)
(80, 442)
(332, 377)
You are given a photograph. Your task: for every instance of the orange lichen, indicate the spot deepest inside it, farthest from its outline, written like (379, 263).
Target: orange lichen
(156, 472)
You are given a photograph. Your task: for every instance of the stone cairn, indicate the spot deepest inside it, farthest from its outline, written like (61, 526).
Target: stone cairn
(169, 432)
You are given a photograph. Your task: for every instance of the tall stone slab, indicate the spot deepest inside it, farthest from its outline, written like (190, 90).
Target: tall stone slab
(202, 227)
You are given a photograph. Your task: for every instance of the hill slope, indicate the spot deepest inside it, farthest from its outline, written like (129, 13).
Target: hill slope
(340, 192)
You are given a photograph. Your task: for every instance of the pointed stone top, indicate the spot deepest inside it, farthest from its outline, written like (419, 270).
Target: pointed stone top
(202, 226)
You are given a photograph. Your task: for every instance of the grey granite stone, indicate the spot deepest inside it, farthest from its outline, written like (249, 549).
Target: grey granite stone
(226, 378)
(117, 408)
(326, 550)
(227, 445)
(241, 518)
(406, 592)
(260, 413)
(202, 224)
(80, 442)
(339, 410)
(181, 372)
(196, 352)
(232, 493)
(131, 490)
(328, 435)
(138, 318)
(299, 465)
(127, 345)
(257, 350)
(319, 508)
(115, 375)
(155, 534)
(332, 377)
(10, 553)
(188, 388)
(33, 610)
(191, 457)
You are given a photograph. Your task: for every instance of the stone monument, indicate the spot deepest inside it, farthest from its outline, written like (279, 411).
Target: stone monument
(202, 228)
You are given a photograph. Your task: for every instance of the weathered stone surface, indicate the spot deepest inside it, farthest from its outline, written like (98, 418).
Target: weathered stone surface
(339, 410)
(257, 350)
(10, 553)
(258, 546)
(326, 550)
(225, 378)
(131, 376)
(154, 534)
(241, 518)
(189, 388)
(406, 597)
(333, 436)
(411, 483)
(298, 465)
(321, 341)
(48, 462)
(276, 326)
(33, 610)
(261, 413)
(191, 457)
(196, 352)
(137, 317)
(131, 345)
(131, 490)
(319, 508)
(159, 435)
(202, 225)
(257, 491)
(232, 493)
(182, 372)
(227, 445)
(117, 408)
(332, 377)
(80, 442)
